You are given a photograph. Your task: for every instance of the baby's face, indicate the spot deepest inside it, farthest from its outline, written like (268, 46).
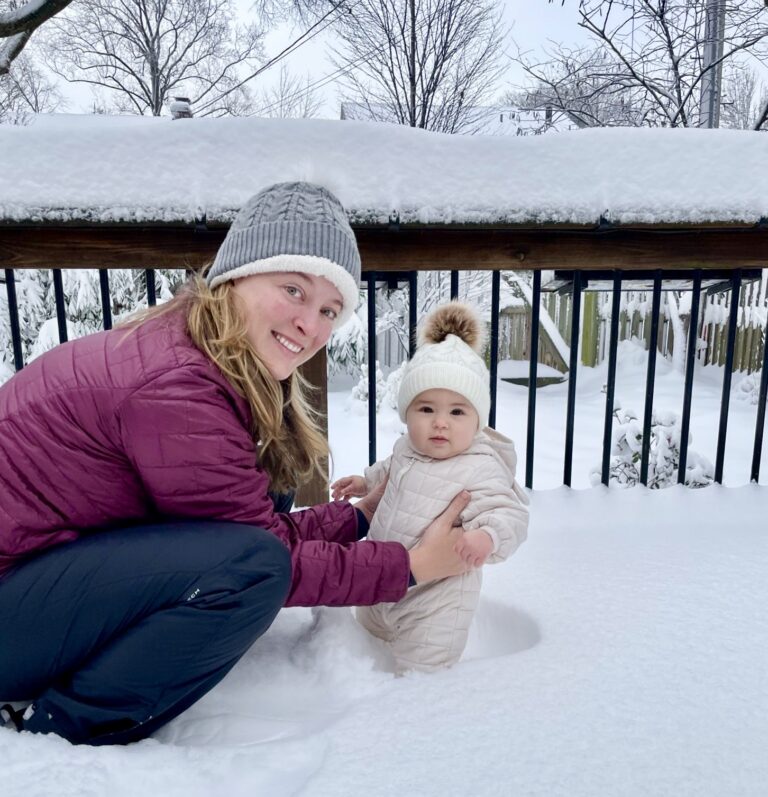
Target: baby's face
(441, 423)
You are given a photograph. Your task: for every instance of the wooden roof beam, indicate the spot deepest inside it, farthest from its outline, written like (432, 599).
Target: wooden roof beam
(384, 249)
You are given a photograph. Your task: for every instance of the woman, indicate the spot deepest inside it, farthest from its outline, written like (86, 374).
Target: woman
(144, 487)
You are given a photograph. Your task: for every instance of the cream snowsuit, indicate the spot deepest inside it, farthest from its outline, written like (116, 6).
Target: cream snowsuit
(428, 628)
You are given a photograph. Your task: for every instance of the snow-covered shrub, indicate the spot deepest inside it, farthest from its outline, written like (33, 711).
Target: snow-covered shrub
(392, 387)
(663, 457)
(347, 348)
(360, 390)
(748, 388)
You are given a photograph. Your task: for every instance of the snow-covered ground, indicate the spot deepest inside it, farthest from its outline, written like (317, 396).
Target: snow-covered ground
(621, 651)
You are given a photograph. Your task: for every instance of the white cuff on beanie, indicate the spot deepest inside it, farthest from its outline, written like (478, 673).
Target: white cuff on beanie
(339, 277)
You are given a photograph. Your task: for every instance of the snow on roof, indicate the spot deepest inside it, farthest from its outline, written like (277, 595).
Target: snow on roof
(138, 169)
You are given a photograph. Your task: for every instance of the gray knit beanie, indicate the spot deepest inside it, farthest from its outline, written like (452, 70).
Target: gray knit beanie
(292, 227)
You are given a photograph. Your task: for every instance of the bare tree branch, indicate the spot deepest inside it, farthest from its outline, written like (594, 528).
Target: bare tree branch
(30, 16)
(18, 24)
(26, 91)
(647, 62)
(145, 51)
(428, 64)
(291, 98)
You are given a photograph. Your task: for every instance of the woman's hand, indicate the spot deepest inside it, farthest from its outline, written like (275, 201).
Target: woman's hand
(348, 487)
(435, 556)
(368, 504)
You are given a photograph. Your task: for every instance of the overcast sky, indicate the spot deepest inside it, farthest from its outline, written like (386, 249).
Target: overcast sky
(531, 23)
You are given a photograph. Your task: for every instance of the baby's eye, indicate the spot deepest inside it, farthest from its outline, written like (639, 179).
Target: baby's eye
(425, 409)
(457, 412)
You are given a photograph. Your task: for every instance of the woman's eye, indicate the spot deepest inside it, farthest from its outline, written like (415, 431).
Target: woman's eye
(332, 314)
(292, 290)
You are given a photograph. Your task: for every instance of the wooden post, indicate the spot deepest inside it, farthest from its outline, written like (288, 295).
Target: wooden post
(647, 330)
(723, 349)
(315, 372)
(589, 338)
(738, 360)
(566, 306)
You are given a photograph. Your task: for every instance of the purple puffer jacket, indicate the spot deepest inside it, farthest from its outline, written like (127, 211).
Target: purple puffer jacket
(128, 425)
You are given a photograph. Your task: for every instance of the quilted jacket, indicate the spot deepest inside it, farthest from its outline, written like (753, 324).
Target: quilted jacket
(131, 425)
(420, 488)
(428, 628)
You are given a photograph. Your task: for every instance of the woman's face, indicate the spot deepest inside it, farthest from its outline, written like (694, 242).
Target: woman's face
(289, 317)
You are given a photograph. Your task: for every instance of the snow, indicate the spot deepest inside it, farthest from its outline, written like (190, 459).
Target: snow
(621, 651)
(521, 369)
(135, 169)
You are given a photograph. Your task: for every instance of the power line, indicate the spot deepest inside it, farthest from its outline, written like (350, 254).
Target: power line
(291, 48)
(340, 72)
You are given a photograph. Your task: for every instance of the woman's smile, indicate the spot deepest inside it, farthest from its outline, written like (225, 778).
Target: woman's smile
(288, 344)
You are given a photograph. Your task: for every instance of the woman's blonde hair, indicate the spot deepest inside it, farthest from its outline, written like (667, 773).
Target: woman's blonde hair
(289, 442)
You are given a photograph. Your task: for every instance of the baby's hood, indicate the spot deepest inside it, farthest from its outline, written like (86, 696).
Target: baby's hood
(489, 440)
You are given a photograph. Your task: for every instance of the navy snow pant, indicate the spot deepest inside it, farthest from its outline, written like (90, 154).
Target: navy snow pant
(117, 633)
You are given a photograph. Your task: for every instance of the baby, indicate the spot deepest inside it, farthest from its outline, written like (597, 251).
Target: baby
(444, 399)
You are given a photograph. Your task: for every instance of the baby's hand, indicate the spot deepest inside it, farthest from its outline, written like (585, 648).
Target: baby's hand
(348, 487)
(474, 547)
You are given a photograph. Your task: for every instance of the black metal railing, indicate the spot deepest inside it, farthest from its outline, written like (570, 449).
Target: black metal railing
(575, 282)
(578, 282)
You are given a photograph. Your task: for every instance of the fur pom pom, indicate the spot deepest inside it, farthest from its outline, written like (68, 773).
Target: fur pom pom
(454, 318)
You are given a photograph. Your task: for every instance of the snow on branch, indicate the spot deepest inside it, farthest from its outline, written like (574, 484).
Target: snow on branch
(18, 24)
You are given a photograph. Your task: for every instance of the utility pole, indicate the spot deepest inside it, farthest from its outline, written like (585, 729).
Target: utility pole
(711, 82)
(412, 65)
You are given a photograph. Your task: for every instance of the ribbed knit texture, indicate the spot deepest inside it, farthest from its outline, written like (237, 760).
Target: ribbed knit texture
(298, 219)
(450, 365)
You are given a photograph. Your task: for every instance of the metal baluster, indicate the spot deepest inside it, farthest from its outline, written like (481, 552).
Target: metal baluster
(572, 366)
(533, 355)
(149, 275)
(61, 310)
(454, 284)
(650, 380)
(690, 362)
(106, 302)
(495, 301)
(13, 313)
(611, 388)
(413, 298)
(371, 281)
(728, 375)
(760, 423)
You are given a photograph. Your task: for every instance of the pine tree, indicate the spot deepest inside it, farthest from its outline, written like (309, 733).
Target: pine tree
(36, 304)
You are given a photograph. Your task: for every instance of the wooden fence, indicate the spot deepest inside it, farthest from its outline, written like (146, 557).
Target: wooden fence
(635, 323)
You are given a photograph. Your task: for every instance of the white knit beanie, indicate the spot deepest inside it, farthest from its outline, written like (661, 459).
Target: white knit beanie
(448, 358)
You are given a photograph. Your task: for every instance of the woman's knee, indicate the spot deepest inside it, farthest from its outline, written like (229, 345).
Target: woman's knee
(267, 559)
(278, 558)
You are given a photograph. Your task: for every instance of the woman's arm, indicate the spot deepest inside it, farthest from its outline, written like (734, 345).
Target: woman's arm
(192, 452)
